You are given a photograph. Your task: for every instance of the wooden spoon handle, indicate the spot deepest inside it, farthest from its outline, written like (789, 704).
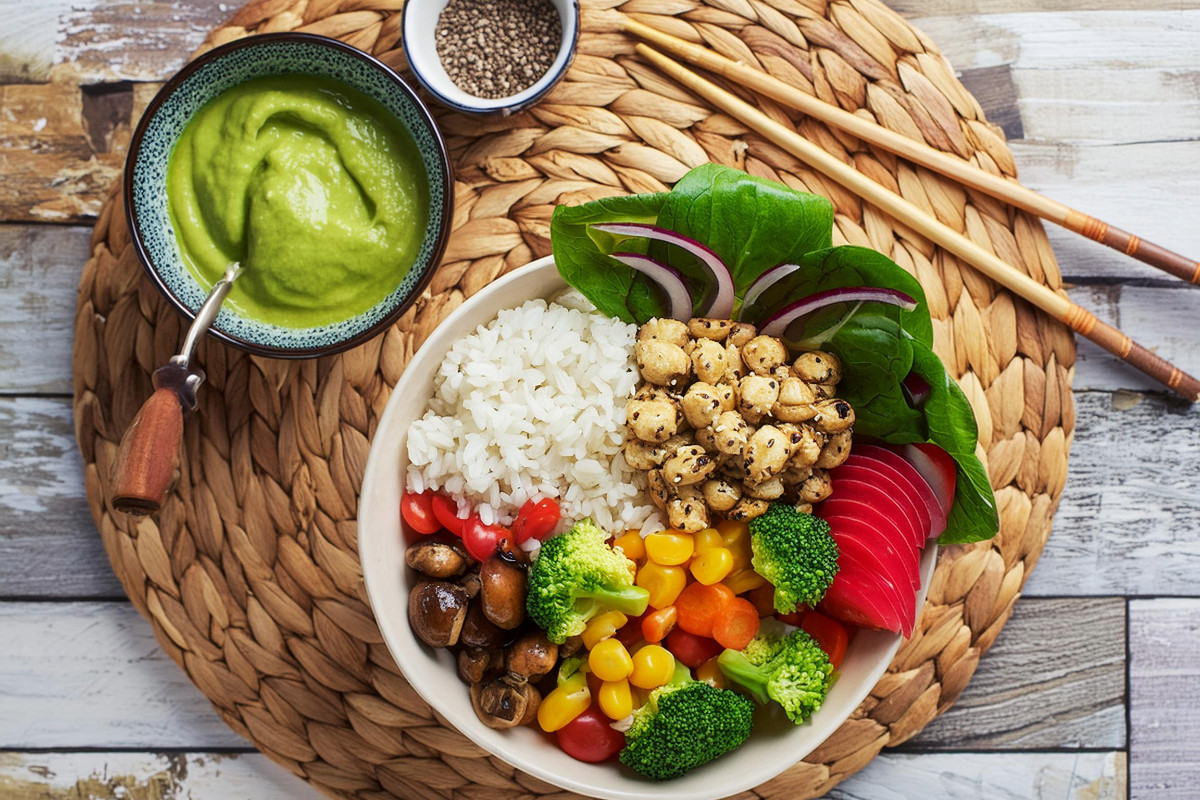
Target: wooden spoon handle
(148, 455)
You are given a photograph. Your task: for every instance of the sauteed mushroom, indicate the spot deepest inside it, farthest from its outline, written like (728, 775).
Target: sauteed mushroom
(502, 591)
(503, 703)
(436, 558)
(437, 610)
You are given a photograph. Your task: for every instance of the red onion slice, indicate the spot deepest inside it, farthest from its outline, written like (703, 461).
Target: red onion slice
(765, 281)
(721, 304)
(666, 277)
(778, 322)
(916, 389)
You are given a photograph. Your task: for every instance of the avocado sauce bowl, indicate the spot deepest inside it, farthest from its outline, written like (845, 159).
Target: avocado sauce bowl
(312, 164)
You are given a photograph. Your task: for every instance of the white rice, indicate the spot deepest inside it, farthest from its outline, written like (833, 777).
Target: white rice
(532, 405)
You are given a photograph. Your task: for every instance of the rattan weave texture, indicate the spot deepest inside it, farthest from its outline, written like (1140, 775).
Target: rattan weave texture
(250, 575)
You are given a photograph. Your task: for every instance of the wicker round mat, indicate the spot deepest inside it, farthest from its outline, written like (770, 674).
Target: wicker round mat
(250, 575)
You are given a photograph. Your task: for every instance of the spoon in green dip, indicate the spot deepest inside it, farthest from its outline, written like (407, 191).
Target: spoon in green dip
(146, 459)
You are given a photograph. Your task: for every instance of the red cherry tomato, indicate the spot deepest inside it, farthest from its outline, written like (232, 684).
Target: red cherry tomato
(691, 649)
(445, 511)
(481, 541)
(417, 512)
(536, 520)
(794, 618)
(830, 634)
(590, 738)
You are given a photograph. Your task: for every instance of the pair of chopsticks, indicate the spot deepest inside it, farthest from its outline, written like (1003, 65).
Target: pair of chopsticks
(1073, 315)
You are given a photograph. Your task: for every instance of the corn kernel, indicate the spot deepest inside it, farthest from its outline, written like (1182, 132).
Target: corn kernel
(744, 580)
(707, 539)
(712, 566)
(602, 626)
(653, 666)
(631, 545)
(736, 536)
(610, 661)
(669, 548)
(566, 702)
(616, 701)
(710, 672)
(663, 583)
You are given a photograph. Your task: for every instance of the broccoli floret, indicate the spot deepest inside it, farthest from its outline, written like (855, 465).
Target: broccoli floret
(795, 552)
(576, 576)
(684, 725)
(789, 668)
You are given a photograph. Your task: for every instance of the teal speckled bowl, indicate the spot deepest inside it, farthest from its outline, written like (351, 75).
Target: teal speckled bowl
(233, 64)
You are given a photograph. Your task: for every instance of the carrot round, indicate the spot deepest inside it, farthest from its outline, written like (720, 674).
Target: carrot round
(657, 624)
(736, 624)
(698, 605)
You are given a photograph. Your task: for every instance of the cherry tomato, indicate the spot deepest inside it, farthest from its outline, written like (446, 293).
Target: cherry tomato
(536, 520)
(830, 634)
(417, 512)
(446, 512)
(482, 540)
(690, 649)
(793, 618)
(590, 738)
(630, 633)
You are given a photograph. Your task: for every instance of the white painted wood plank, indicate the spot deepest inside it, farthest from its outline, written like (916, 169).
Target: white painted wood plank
(27, 39)
(120, 776)
(49, 546)
(91, 675)
(39, 277)
(1054, 678)
(988, 776)
(1164, 681)
(1129, 520)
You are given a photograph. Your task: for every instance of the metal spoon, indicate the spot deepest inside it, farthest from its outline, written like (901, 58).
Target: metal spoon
(147, 457)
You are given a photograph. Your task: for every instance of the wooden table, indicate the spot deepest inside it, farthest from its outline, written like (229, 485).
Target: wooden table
(1091, 690)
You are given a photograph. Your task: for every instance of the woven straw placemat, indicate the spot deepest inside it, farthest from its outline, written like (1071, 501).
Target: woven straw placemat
(250, 575)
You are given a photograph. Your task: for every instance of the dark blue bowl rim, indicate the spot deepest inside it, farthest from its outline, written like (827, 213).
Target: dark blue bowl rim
(333, 44)
(499, 110)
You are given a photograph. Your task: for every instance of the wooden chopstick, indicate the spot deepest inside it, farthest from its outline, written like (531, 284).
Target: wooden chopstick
(962, 171)
(1076, 317)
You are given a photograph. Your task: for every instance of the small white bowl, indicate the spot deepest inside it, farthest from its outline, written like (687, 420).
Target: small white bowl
(418, 38)
(775, 744)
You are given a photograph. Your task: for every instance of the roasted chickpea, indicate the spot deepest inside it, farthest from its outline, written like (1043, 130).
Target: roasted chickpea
(715, 329)
(662, 363)
(652, 420)
(816, 487)
(748, 508)
(709, 360)
(836, 450)
(817, 366)
(701, 404)
(730, 433)
(688, 465)
(766, 453)
(720, 495)
(742, 332)
(796, 401)
(763, 354)
(671, 331)
(756, 396)
(657, 486)
(734, 368)
(767, 490)
(833, 416)
(806, 451)
(686, 511)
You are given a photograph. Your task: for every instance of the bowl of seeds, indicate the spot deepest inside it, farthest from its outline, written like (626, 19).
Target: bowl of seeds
(489, 56)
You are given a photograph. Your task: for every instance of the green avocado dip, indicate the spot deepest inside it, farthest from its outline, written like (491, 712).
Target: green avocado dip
(311, 186)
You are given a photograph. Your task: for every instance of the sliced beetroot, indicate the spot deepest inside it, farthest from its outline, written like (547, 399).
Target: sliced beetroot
(882, 517)
(895, 558)
(857, 468)
(937, 467)
(865, 588)
(921, 488)
(875, 494)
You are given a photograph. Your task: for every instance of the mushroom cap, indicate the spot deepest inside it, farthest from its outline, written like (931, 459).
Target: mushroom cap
(436, 611)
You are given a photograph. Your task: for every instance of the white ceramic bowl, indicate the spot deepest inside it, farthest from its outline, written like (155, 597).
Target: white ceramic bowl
(775, 744)
(417, 37)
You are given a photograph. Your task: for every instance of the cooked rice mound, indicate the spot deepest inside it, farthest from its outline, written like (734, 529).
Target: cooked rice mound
(532, 405)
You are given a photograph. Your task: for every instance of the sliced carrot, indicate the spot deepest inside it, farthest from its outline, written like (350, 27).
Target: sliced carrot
(763, 599)
(830, 634)
(736, 624)
(657, 624)
(698, 605)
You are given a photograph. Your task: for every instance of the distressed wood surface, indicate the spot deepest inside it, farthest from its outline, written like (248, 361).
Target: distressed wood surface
(1164, 673)
(1101, 102)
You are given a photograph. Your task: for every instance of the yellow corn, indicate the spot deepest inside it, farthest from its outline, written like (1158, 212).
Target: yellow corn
(616, 701)
(566, 702)
(631, 545)
(711, 566)
(663, 583)
(744, 580)
(707, 539)
(669, 548)
(602, 626)
(736, 536)
(653, 666)
(710, 672)
(610, 661)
